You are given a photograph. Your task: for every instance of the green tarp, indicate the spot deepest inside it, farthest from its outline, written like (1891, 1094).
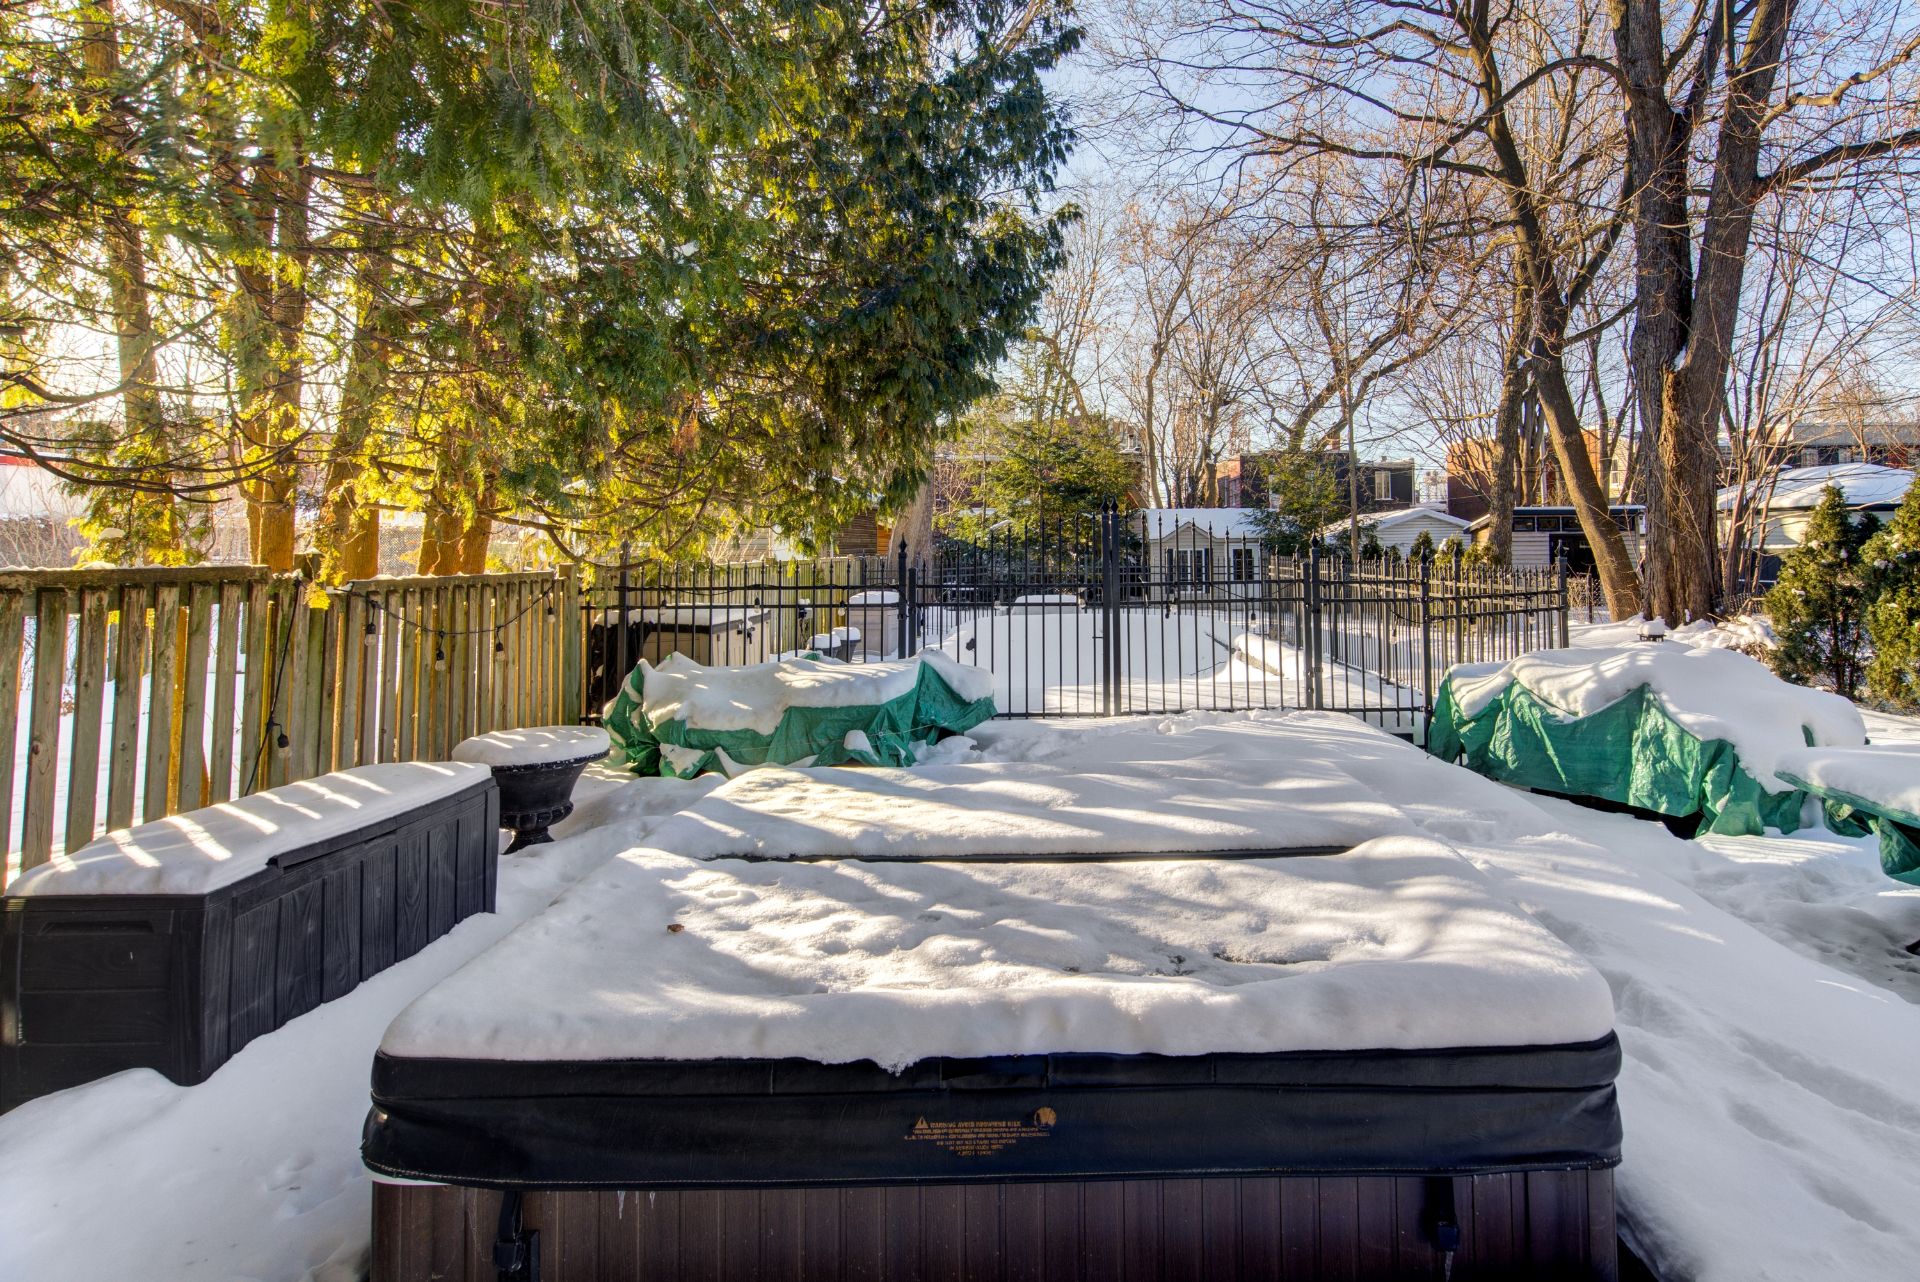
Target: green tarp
(1630, 751)
(887, 732)
(1851, 816)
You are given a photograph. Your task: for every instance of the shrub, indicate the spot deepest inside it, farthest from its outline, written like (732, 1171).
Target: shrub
(1893, 618)
(1818, 605)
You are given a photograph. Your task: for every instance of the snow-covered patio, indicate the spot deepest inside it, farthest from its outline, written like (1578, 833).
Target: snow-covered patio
(1768, 1015)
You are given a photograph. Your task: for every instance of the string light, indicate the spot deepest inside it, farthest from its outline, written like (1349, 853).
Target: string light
(370, 634)
(439, 655)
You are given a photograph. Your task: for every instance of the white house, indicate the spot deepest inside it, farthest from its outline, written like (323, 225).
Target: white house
(1191, 549)
(1402, 529)
(1796, 491)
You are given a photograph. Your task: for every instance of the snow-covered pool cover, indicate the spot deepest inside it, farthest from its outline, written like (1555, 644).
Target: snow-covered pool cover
(534, 747)
(1886, 775)
(754, 696)
(1713, 693)
(1399, 944)
(203, 850)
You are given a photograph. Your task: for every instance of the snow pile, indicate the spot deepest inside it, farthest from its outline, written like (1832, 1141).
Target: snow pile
(1770, 1128)
(1712, 693)
(1397, 944)
(203, 850)
(543, 745)
(754, 697)
(1884, 776)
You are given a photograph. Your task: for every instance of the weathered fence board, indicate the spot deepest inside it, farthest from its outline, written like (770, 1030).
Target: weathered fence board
(190, 686)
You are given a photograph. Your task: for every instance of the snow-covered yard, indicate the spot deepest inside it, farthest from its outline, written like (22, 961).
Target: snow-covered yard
(1769, 1018)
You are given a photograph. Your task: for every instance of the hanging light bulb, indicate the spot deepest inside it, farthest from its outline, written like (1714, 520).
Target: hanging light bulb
(370, 633)
(439, 656)
(499, 646)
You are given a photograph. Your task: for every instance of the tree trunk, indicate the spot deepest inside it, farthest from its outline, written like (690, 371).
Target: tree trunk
(1506, 429)
(150, 522)
(914, 526)
(276, 301)
(442, 540)
(349, 535)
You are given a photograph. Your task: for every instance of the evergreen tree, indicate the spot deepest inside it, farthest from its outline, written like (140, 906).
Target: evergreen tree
(1893, 619)
(1818, 605)
(1305, 496)
(1422, 548)
(1044, 474)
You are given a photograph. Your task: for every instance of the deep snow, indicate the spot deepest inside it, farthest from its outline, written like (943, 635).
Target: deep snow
(1768, 1022)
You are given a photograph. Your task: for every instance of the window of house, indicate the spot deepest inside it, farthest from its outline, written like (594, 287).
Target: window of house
(1243, 564)
(1383, 486)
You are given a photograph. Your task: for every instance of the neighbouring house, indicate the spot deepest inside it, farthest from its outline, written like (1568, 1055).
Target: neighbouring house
(1471, 470)
(1886, 444)
(1783, 504)
(1401, 530)
(1385, 485)
(1194, 549)
(1542, 535)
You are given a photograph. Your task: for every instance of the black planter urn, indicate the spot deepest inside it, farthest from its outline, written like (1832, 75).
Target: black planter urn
(535, 770)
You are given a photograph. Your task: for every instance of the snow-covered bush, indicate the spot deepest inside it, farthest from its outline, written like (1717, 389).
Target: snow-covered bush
(1893, 618)
(1818, 605)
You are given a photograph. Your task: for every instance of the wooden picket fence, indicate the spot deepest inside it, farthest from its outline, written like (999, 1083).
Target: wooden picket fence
(148, 692)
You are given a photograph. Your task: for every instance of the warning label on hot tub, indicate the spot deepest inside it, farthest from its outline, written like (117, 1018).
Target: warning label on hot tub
(982, 1138)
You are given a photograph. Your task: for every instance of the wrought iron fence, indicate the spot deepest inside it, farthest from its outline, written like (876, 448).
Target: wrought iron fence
(1124, 613)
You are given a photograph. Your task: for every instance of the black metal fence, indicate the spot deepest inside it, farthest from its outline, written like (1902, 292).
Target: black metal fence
(1158, 613)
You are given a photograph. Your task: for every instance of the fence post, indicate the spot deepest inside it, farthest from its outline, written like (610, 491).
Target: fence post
(1426, 645)
(903, 608)
(1315, 637)
(625, 664)
(1560, 587)
(1109, 609)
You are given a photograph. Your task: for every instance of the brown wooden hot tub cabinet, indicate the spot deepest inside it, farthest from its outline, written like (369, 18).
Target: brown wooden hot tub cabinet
(91, 984)
(1045, 1167)
(1531, 1225)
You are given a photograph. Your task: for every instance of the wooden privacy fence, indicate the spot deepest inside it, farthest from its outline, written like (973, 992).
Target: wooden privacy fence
(146, 692)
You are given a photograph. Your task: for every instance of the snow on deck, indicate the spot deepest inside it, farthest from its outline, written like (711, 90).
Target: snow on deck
(1769, 1021)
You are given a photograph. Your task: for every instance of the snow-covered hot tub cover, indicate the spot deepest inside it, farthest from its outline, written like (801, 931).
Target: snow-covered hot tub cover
(635, 1033)
(1664, 726)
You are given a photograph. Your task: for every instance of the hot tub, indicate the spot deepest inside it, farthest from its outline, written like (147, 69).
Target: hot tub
(968, 1061)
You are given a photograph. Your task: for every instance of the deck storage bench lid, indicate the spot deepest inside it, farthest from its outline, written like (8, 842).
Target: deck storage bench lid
(214, 847)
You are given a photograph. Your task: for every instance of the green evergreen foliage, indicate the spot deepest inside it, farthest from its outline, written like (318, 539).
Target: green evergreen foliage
(1818, 604)
(1305, 494)
(1422, 549)
(1893, 619)
(640, 271)
(1042, 474)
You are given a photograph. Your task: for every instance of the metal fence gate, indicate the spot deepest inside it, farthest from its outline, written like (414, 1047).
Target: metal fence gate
(1105, 616)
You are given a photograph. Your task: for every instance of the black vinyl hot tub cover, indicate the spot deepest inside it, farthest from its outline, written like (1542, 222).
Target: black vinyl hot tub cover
(793, 1123)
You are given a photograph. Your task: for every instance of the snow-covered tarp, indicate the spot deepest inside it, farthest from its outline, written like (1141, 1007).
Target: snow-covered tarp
(684, 718)
(1398, 944)
(203, 850)
(1664, 726)
(1872, 789)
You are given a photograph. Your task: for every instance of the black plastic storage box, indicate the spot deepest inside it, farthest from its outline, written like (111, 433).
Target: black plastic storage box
(91, 984)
